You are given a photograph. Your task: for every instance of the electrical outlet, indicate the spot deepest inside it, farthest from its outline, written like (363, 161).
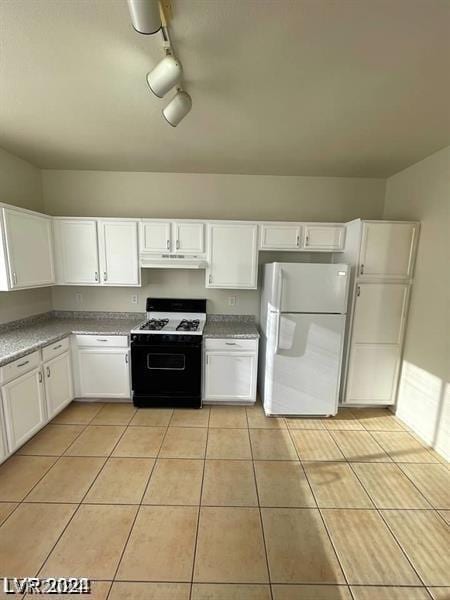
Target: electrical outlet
(232, 300)
(134, 299)
(79, 298)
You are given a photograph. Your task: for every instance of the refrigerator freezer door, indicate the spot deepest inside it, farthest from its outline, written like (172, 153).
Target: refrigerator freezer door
(303, 364)
(310, 288)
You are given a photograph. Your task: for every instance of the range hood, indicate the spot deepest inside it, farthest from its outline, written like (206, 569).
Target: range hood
(172, 261)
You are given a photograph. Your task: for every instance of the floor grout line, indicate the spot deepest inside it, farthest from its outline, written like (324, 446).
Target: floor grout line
(322, 517)
(260, 511)
(79, 504)
(57, 459)
(199, 505)
(380, 514)
(199, 508)
(137, 513)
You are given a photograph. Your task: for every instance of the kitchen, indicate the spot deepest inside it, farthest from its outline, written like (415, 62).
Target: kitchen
(243, 364)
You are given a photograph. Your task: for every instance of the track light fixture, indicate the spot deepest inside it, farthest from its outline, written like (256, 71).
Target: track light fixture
(145, 16)
(177, 108)
(165, 75)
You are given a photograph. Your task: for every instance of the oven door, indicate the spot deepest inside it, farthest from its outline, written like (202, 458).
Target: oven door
(166, 374)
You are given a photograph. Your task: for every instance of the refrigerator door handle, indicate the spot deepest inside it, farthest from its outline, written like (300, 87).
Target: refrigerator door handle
(280, 288)
(277, 333)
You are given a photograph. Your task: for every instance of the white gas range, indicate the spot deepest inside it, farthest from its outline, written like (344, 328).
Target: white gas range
(166, 353)
(168, 323)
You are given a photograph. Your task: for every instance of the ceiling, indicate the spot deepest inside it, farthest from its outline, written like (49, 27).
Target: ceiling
(289, 87)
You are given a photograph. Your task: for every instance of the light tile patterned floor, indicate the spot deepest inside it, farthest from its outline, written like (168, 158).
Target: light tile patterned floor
(226, 504)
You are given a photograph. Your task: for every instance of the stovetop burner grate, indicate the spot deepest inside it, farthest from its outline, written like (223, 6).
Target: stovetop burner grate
(155, 324)
(187, 325)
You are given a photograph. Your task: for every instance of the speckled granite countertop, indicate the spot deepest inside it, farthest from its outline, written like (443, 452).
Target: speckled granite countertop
(34, 334)
(231, 326)
(22, 337)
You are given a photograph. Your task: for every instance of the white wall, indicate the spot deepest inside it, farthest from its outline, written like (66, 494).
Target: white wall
(20, 182)
(20, 185)
(422, 192)
(189, 195)
(173, 283)
(182, 195)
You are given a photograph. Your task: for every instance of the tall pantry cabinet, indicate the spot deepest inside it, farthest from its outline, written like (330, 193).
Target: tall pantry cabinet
(382, 255)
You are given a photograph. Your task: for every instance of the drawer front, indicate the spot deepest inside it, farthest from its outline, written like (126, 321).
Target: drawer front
(107, 341)
(230, 344)
(20, 366)
(55, 349)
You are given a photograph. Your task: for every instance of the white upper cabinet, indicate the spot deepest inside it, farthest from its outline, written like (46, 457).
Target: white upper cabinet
(155, 236)
(188, 238)
(118, 244)
(76, 244)
(179, 237)
(387, 250)
(91, 252)
(233, 256)
(329, 238)
(280, 236)
(27, 254)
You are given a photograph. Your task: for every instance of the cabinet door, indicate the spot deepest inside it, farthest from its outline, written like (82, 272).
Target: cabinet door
(104, 372)
(189, 238)
(30, 249)
(58, 383)
(233, 261)
(24, 408)
(324, 237)
(230, 376)
(77, 249)
(387, 250)
(155, 236)
(373, 373)
(3, 450)
(119, 252)
(280, 237)
(379, 313)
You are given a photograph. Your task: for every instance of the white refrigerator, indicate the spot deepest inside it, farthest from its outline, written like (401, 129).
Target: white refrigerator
(303, 313)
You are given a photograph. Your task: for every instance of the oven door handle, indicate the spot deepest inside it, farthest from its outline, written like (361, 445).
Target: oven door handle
(164, 363)
(166, 368)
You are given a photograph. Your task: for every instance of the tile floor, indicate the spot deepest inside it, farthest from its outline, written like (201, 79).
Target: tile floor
(226, 504)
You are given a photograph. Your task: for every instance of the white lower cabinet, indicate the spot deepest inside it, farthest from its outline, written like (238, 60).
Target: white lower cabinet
(103, 372)
(372, 375)
(376, 339)
(58, 383)
(3, 448)
(230, 371)
(24, 407)
(34, 389)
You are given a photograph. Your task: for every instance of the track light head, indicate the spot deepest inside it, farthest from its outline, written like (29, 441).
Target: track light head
(165, 75)
(177, 108)
(145, 16)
